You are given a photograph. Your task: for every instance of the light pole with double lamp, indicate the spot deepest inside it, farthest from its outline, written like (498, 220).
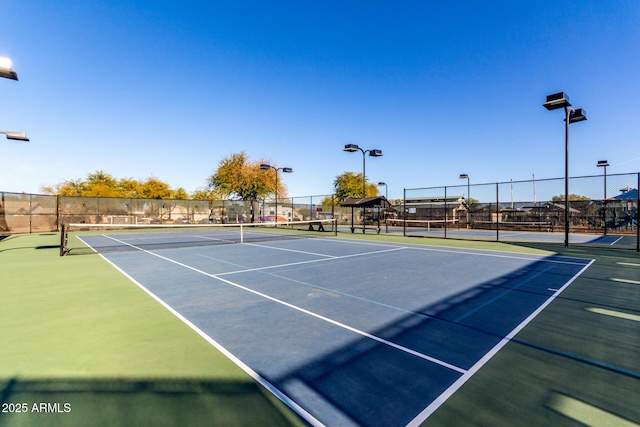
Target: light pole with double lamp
(554, 102)
(604, 164)
(352, 148)
(265, 166)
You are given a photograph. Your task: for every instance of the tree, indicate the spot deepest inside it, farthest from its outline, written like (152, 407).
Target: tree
(101, 184)
(349, 184)
(238, 177)
(204, 194)
(572, 198)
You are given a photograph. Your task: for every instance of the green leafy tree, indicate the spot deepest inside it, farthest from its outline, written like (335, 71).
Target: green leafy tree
(572, 197)
(101, 184)
(349, 184)
(237, 177)
(204, 194)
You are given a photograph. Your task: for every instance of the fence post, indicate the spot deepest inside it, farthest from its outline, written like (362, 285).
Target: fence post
(404, 211)
(638, 215)
(497, 213)
(446, 212)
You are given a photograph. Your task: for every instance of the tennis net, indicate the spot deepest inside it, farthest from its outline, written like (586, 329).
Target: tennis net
(426, 224)
(102, 238)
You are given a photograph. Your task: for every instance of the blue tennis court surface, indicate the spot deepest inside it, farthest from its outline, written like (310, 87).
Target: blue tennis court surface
(353, 333)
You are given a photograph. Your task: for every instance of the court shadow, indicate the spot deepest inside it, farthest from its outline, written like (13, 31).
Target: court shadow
(371, 383)
(126, 402)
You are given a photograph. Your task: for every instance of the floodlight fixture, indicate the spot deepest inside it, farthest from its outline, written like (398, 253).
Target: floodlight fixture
(577, 115)
(287, 170)
(602, 163)
(557, 100)
(351, 148)
(265, 166)
(18, 136)
(375, 153)
(6, 69)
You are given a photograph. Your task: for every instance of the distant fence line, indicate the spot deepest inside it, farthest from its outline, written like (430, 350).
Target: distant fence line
(605, 206)
(599, 206)
(36, 213)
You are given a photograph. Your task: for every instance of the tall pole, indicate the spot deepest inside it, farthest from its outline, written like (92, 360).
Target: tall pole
(364, 175)
(276, 195)
(566, 176)
(605, 200)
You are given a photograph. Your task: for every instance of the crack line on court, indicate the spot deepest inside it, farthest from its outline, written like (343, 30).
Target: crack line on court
(310, 313)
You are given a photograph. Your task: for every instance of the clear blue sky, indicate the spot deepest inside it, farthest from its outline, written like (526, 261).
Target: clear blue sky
(167, 89)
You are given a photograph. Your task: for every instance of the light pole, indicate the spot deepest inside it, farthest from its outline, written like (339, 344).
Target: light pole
(373, 153)
(554, 102)
(386, 189)
(265, 166)
(465, 176)
(604, 164)
(6, 69)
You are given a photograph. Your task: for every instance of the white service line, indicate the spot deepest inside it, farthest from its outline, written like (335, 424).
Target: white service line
(290, 264)
(310, 313)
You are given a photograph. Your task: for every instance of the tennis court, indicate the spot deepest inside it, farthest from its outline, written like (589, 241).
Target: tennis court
(538, 233)
(349, 332)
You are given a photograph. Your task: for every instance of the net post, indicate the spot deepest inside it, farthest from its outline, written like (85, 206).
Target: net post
(63, 239)
(241, 233)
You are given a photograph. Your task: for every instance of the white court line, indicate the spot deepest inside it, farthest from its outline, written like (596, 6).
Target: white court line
(479, 364)
(616, 241)
(253, 374)
(290, 264)
(310, 313)
(289, 250)
(475, 252)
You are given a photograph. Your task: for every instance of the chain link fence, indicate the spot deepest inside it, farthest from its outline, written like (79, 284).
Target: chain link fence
(602, 211)
(31, 213)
